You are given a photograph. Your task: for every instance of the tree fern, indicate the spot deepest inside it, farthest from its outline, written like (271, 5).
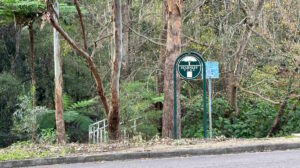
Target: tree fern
(46, 119)
(25, 10)
(82, 104)
(67, 101)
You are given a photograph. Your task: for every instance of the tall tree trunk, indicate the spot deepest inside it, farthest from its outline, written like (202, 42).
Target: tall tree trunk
(233, 83)
(162, 53)
(114, 111)
(31, 43)
(58, 81)
(17, 48)
(173, 51)
(126, 19)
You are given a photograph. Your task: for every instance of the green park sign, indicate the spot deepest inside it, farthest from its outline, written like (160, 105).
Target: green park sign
(189, 65)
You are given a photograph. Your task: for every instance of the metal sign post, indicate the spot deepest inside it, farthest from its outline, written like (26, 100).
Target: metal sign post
(209, 108)
(212, 70)
(190, 65)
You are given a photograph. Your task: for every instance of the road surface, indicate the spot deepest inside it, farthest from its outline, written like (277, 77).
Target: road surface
(277, 159)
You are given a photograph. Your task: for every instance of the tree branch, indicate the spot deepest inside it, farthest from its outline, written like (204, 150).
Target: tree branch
(145, 37)
(81, 23)
(82, 53)
(260, 96)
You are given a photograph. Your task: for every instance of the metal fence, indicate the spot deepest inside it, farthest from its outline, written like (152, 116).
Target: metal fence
(98, 130)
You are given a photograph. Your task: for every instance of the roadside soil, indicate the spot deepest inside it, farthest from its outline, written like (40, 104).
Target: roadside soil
(138, 145)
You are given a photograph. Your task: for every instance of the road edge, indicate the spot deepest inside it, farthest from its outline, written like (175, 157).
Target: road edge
(149, 154)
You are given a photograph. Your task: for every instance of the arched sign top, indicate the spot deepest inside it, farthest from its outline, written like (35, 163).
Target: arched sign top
(189, 65)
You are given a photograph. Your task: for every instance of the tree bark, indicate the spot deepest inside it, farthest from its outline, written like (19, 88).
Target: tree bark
(58, 81)
(114, 110)
(173, 50)
(162, 56)
(31, 43)
(233, 83)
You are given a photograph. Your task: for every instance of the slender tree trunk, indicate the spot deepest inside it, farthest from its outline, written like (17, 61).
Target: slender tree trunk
(126, 19)
(232, 90)
(162, 56)
(31, 43)
(173, 51)
(114, 111)
(17, 38)
(58, 81)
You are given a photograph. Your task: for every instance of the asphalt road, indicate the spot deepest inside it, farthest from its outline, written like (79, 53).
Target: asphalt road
(278, 159)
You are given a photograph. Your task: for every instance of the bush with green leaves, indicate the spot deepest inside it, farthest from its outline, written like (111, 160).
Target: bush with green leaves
(77, 117)
(25, 118)
(10, 87)
(290, 122)
(138, 101)
(47, 136)
(29, 121)
(255, 119)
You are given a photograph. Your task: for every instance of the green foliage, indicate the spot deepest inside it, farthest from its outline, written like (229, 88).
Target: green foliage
(76, 117)
(139, 103)
(290, 121)
(26, 10)
(25, 118)
(255, 119)
(10, 87)
(48, 136)
(28, 150)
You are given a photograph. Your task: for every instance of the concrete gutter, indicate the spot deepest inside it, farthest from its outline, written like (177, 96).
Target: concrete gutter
(149, 154)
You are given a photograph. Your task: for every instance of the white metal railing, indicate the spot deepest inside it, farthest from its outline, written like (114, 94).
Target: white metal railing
(98, 131)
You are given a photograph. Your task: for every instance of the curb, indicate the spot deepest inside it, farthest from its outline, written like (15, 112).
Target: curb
(150, 154)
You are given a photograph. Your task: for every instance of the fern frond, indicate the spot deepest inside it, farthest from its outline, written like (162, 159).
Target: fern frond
(46, 119)
(82, 104)
(67, 100)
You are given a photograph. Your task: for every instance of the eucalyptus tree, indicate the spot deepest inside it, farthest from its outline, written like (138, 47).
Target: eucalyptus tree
(112, 111)
(173, 49)
(162, 53)
(58, 80)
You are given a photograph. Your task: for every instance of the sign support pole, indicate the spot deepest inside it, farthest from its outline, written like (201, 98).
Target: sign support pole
(204, 101)
(200, 59)
(175, 103)
(209, 108)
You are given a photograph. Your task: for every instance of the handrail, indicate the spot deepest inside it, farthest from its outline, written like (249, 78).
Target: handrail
(97, 130)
